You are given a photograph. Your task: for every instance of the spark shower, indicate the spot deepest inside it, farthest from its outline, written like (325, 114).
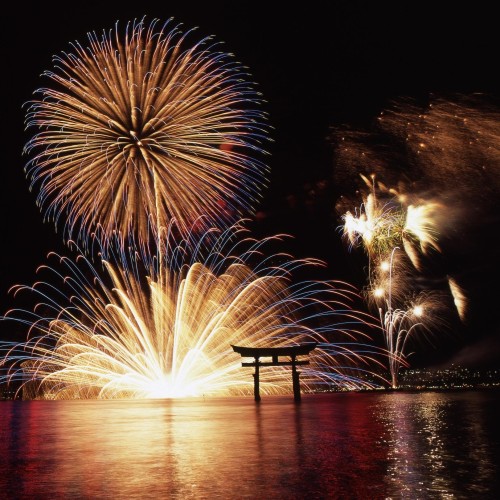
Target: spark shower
(148, 154)
(166, 330)
(147, 149)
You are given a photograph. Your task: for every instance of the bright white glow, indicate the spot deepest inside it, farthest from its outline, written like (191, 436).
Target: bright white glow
(418, 310)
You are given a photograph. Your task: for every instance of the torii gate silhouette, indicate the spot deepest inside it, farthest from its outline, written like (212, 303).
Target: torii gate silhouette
(274, 353)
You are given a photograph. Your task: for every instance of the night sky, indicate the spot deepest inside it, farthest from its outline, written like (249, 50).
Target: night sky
(321, 67)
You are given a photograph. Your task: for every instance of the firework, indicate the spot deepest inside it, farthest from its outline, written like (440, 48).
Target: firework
(391, 276)
(387, 219)
(420, 223)
(109, 333)
(376, 227)
(417, 316)
(442, 156)
(396, 230)
(139, 128)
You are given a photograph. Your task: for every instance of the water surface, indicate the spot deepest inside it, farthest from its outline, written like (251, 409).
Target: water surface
(343, 445)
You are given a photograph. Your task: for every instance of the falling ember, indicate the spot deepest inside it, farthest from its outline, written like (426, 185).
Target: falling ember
(119, 336)
(412, 252)
(459, 298)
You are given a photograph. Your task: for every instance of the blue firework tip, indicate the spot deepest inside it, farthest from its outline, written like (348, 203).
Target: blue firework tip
(82, 137)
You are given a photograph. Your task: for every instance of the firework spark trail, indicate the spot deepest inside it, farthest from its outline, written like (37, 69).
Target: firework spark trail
(388, 222)
(388, 219)
(444, 153)
(405, 316)
(443, 157)
(171, 334)
(140, 128)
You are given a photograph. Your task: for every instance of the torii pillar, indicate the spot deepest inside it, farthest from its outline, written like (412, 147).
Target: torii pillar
(256, 386)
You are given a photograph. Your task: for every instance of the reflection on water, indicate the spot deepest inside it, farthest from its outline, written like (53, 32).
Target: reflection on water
(349, 445)
(442, 445)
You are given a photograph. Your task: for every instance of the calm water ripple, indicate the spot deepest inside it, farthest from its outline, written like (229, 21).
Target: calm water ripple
(349, 445)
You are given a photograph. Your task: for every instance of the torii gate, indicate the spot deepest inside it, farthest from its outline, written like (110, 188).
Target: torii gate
(275, 352)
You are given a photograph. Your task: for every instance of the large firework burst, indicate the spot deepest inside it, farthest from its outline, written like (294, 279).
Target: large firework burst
(139, 128)
(109, 333)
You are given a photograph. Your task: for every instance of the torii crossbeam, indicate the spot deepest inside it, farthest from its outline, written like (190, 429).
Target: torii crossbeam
(275, 353)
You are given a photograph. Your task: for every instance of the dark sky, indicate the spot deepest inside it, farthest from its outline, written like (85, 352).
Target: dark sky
(319, 65)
